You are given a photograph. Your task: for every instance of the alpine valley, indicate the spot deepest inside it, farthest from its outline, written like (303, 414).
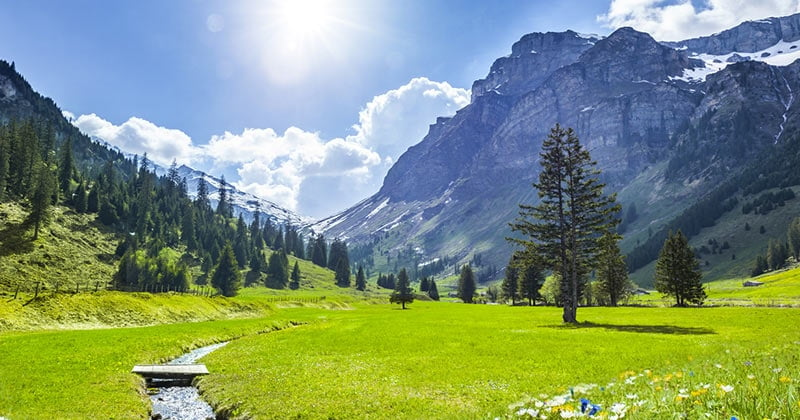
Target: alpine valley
(688, 134)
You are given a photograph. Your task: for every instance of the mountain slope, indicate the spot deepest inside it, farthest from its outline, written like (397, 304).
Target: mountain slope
(667, 124)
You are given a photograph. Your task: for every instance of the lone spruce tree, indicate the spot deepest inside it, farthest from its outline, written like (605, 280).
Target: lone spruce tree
(678, 271)
(402, 291)
(466, 284)
(573, 212)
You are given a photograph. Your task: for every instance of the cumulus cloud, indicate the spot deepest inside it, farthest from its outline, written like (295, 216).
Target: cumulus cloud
(299, 169)
(675, 21)
(140, 136)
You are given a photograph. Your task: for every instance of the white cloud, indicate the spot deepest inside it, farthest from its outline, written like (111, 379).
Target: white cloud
(676, 21)
(140, 136)
(298, 169)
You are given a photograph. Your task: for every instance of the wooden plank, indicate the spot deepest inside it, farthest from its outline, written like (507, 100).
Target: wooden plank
(170, 371)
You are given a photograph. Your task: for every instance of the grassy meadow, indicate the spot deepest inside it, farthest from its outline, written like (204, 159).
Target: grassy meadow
(353, 355)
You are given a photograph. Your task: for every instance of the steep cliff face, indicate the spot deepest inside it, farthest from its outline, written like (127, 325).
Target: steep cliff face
(532, 60)
(665, 121)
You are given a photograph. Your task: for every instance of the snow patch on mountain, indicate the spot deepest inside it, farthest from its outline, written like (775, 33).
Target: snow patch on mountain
(781, 54)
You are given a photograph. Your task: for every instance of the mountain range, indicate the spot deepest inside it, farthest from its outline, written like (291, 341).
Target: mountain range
(688, 134)
(668, 123)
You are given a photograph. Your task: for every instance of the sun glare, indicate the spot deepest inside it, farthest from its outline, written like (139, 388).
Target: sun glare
(302, 36)
(303, 18)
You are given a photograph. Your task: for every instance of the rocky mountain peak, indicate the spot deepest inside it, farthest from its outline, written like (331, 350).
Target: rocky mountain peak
(628, 55)
(533, 59)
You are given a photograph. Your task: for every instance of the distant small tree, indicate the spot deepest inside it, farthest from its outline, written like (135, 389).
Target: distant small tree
(793, 237)
(510, 285)
(761, 266)
(492, 293)
(424, 284)
(278, 270)
(612, 273)
(226, 278)
(295, 283)
(402, 291)
(678, 271)
(466, 284)
(433, 291)
(361, 279)
(531, 280)
(777, 253)
(41, 199)
(66, 168)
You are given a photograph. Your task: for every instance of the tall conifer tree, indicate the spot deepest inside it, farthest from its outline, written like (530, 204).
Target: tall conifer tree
(573, 212)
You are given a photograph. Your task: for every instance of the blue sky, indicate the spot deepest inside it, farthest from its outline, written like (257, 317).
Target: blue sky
(304, 102)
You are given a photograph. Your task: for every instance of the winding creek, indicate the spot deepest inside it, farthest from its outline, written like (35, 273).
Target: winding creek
(182, 402)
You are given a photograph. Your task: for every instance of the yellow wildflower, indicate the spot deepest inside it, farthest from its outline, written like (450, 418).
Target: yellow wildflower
(679, 374)
(785, 379)
(658, 388)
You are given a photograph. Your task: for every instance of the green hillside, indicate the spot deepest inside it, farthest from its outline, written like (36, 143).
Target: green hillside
(73, 251)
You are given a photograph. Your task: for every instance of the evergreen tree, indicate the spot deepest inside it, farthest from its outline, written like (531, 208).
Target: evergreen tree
(4, 163)
(612, 273)
(390, 282)
(339, 262)
(278, 270)
(188, 235)
(761, 266)
(424, 284)
(402, 292)
(79, 199)
(41, 199)
(678, 271)
(222, 205)
(202, 200)
(295, 283)
(93, 201)
(573, 212)
(433, 291)
(531, 279)
(361, 280)
(66, 168)
(777, 254)
(226, 278)
(466, 284)
(320, 254)
(279, 244)
(510, 285)
(793, 238)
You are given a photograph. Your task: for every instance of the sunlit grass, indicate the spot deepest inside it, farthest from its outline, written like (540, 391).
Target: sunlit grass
(443, 360)
(86, 374)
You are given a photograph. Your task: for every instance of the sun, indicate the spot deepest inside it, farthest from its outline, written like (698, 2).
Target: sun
(305, 18)
(297, 38)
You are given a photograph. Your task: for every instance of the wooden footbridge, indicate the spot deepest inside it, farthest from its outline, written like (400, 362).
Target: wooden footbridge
(170, 373)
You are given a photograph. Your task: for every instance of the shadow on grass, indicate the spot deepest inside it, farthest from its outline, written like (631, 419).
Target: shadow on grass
(648, 329)
(13, 240)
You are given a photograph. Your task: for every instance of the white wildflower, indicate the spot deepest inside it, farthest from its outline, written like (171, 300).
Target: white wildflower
(726, 388)
(631, 396)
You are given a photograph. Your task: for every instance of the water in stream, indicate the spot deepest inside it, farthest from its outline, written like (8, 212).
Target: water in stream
(183, 402)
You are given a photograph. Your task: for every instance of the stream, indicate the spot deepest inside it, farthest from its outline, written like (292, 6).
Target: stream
(182, 402)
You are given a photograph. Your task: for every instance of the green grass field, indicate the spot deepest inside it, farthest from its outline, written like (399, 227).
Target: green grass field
(353, 355)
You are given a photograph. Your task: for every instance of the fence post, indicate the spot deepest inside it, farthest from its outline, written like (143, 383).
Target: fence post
(77, 287)
(96, 285)
(56, 287)
(16, 292)
(37, 291)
